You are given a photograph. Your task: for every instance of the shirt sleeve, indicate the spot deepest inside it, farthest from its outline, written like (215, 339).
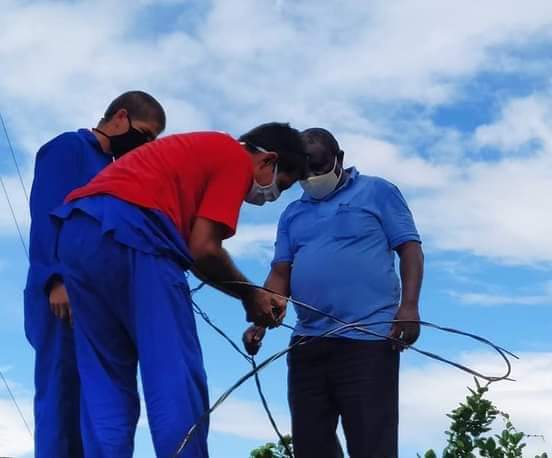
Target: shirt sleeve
(228, 182)
(396, 218)
(56, 167)
(282, 246)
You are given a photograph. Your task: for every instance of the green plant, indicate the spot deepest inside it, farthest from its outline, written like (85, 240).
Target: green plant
(467, 437)
(272, 450)
(471, 421)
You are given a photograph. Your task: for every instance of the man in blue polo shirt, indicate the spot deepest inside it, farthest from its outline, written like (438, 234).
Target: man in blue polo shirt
(67, 162)
(335, 249)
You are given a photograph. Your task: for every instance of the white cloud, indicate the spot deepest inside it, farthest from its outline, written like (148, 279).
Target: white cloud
(295, 61)
(377, 157)
(284, 61)
(14, 436)
(521, 121)
(247, 419)
(543, 296)
(493, 208)
(497, 299)
(497, 208)
(19, 205)
(431, 391)
(252, 241)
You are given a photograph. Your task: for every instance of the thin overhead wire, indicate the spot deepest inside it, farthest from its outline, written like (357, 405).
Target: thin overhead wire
(14, 217)
(23, 244)
(5, 189)
(14, 400)
(14, 157)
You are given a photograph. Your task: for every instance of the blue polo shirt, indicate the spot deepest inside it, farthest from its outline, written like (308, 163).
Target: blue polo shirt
(342, 253)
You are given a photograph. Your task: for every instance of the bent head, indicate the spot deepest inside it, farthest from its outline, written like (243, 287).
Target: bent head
(324, 162)
(278, 157)
(132, 119)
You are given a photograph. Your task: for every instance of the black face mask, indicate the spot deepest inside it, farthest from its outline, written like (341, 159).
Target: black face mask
(123, 143)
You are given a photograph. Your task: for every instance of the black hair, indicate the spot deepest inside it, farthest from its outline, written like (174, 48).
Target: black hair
(140, 106)
(324, 138)
(283, 139)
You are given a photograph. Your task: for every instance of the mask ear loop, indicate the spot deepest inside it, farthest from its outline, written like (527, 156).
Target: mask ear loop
(332, 170)
(275, 170)
(340, 170)
(254, 147)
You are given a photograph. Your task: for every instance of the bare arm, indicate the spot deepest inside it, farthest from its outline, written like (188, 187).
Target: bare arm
(279, 277)
(411, 270)
(278, 281)
(213, 264)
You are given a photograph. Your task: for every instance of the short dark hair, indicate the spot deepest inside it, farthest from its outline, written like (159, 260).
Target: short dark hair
(283, 139)
(324, 138)
(140, 106)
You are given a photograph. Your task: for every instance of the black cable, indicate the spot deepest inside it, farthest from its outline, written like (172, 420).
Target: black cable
(206, 318)
(500, 350)
(268, 412)
(359, 326)
(250, 374)
(251, 360)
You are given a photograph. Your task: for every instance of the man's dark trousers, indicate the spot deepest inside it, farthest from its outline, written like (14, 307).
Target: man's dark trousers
(355, 379)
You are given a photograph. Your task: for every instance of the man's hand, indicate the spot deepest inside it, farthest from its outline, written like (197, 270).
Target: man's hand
(252, 339)
(59, 302)
(264, 308)
(408, 333)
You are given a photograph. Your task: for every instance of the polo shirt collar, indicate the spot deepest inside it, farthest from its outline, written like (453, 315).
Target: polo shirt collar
(352, 175)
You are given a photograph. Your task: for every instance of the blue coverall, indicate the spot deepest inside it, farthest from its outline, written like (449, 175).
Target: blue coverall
(63, 164)
(124, 270)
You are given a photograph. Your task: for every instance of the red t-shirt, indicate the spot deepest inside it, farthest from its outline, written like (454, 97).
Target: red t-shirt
(205, 174)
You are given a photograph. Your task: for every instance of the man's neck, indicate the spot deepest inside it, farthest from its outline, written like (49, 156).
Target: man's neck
(105, 145)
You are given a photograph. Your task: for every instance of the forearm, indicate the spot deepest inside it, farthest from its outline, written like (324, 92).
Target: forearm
(278, 282)
(411, 271)
(217, 269)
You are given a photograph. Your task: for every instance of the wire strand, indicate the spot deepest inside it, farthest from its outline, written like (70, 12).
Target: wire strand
(10, 145)
(14, 217)
(14, 400)
(500, 350)
(251, 360)
(5, 189)
(264, 402)
(242, 380)
(23, 244)
(359, 326)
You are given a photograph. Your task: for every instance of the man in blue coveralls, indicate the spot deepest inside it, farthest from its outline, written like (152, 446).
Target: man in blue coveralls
(63, 164)
(335, 250)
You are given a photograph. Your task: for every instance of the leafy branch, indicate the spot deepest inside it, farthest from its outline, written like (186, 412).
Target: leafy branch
(470, 424)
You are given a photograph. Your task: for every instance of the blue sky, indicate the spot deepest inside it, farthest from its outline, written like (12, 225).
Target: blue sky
(451, 101)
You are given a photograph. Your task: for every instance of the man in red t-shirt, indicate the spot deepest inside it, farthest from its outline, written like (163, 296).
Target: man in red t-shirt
(123, 242)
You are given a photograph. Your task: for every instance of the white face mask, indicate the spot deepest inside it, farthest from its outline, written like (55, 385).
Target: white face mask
(259, 195)
(319, 186)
